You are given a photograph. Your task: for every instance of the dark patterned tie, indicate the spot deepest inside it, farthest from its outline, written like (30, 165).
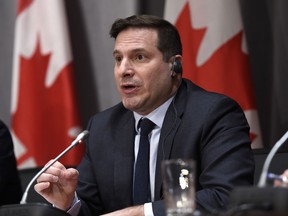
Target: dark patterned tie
(142, 192)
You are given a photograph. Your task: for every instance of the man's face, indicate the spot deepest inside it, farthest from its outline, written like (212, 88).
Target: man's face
(142, 77)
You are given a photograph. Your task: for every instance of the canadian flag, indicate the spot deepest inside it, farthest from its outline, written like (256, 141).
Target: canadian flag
(214, 51)
(44, 111)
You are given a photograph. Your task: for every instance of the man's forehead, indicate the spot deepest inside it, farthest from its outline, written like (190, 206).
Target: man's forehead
(135, 42)
(137, 35)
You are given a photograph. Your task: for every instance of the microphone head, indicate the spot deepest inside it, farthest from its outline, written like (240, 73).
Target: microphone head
(82, 136)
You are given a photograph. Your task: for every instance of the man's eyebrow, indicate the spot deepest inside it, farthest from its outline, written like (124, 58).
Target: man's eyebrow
(115, 52)
(133, 50)
(138, 49)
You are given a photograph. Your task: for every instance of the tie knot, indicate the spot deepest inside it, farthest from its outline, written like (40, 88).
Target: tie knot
(146, 126)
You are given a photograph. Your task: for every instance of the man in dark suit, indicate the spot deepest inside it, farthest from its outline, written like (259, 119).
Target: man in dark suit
(189, 123)
(10, 185)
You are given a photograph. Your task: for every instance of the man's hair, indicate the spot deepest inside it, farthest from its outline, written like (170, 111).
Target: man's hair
(169, 42)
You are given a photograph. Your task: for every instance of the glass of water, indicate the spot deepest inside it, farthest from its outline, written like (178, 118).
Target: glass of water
(179, 186)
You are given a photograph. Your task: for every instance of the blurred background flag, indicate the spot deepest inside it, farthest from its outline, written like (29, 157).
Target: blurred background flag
(215, 53)
(44, 110)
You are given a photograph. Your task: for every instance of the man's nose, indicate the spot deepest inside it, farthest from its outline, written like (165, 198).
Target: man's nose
(126, 68)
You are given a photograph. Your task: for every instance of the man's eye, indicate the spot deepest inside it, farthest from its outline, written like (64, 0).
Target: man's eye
(140, 57)
(118, 59)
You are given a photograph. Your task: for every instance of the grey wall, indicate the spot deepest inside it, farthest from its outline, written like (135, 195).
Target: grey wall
(7, 14)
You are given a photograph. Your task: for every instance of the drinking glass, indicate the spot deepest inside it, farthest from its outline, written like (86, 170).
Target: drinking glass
(179, 186)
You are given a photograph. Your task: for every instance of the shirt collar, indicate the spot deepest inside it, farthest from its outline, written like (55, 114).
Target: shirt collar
(156, 116)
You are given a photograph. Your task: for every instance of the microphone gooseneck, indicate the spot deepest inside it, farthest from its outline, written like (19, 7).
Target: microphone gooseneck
(261, 198)
(264, 173)
(79, 139)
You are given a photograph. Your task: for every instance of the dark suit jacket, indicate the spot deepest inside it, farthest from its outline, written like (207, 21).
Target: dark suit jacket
(10, 186)
(208, 127)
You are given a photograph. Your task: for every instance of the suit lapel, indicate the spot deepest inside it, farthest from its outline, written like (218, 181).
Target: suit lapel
(170, 126)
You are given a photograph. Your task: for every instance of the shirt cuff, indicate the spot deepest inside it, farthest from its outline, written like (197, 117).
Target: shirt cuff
(148, 211)
(75, 207)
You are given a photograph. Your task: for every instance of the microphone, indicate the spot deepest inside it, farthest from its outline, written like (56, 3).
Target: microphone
(262, 197)
(263, 177)
(79, 139)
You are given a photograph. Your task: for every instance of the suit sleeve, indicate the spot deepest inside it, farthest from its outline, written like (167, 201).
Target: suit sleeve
(87, 189)
(226, 159)
(158, 208)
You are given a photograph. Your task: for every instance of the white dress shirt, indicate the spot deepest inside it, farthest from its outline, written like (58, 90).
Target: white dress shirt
(157, 117)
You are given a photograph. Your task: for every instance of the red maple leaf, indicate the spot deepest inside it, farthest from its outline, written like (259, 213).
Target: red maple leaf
(227, 71)
(44, 115)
